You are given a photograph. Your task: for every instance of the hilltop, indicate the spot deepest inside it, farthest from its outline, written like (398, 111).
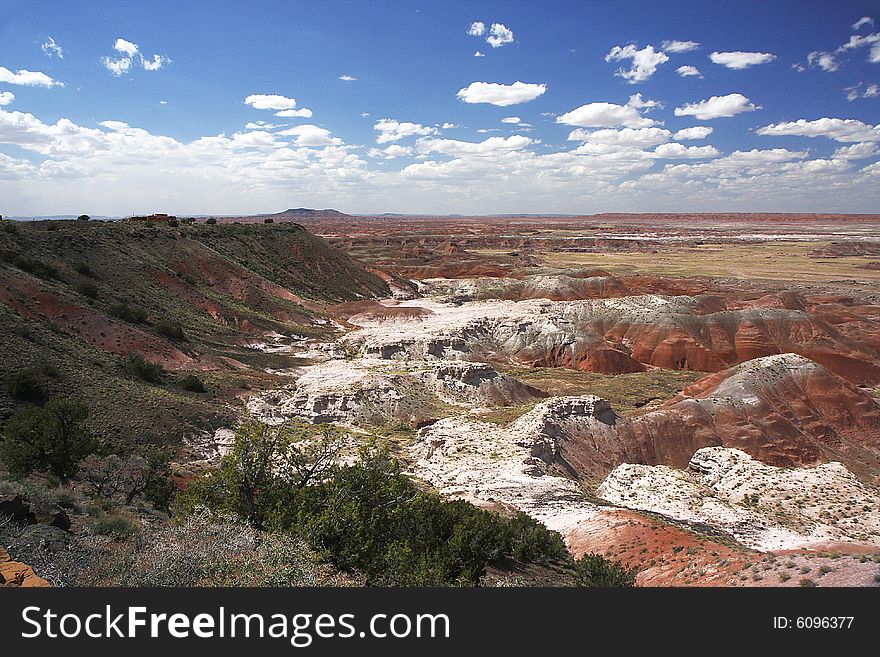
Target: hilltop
(76, 298)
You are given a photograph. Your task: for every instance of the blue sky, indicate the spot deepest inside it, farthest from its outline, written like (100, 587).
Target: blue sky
(113, 108)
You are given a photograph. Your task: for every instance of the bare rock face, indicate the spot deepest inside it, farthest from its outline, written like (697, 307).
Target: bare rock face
(762, 506)
(617, 335)
(375, 391)
(480, 383)
(17, 574)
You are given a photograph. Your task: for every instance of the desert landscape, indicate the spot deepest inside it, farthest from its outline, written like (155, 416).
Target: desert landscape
(694, 397)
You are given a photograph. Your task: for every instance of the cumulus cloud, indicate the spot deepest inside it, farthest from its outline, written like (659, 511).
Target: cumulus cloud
(391, 152)
(52, 49)
(479, 54)
(491, 146)
(843, 130)
(682, 152)
(501, 95)
(602, 115)
(694, 132)
(864, 20)
(688, 71)
(739, 60)
(347, 78)
(127, 47)
(644, 61)
(859, 151)
(28, 78)
(639, 103)
(130, 56)
(511, 119)
(390, 130)
(625, 137)
(477, 28)
(270, 102)
(6, 97)
(311, 135)
(301, 113)
(679, 46)
(717, 107)
(499, 35)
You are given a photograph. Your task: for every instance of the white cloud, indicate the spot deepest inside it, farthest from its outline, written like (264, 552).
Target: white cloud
(824, 60)
(391, 152)
(739, 60)
(127, 47)
(117, 66)
(644, 62)
(28, 78)
(682, 152)
(270, 102)
(855, 92)
(501, 95)
(511, 119)
(302, 113)
(843, 130)
(311, 135)
(261, 125)
(639, 103)
(625, 138)
(489, 147)
(52, 49)
(6, 97)
(477, 28)
(694, 132)
(131, 56)
(114, 125)
(688, 71)
(679, 46)
(858, 151)
(717, 107)
(154, 64)
(448, 126)
(499, 35)
(347, 78)
(605, 115)
(864, 20)
(390, 130)
(479, 54)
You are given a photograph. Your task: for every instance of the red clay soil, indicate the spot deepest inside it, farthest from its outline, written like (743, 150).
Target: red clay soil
(668, 555)
(87, 324)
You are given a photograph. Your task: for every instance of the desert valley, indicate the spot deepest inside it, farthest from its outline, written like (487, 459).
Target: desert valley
(695, 397)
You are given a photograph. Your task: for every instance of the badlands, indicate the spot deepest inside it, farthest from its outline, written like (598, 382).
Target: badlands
(696, 397)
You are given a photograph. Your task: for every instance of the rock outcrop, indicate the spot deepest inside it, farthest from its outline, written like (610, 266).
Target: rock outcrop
(17, 574)
(764, 507)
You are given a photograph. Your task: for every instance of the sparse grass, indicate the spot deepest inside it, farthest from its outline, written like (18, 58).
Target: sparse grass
(628, 393)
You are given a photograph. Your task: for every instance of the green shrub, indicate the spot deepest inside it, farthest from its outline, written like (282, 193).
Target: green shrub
(138, 366)
(170, 330)
(128, 314)
(210, 220)
(365, 518)
(192, 383)
(83, 217)
(27, 386)
(116, 526)
(594, 570)
(47, 439)
(88, 289)
(84, 269)
(38, 268)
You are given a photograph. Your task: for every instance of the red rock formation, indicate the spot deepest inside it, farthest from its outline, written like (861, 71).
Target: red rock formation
(17, 574)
